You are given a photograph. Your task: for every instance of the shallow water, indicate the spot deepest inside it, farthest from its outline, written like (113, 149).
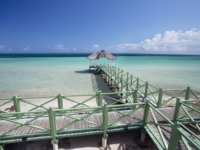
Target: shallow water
(46, 76)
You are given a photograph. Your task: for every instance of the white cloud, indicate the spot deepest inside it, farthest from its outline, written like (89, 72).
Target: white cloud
(61, 47)
(2, 47)
(74, 49)
(170, 41)
(95, 46)
(26, 48)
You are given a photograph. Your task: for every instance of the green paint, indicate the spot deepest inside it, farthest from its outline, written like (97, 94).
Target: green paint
(17, 106)
(187, 95)
(173, 142)
(60, 102)
(105, 120)
(177, 109)
(160, 98)
(146, 113)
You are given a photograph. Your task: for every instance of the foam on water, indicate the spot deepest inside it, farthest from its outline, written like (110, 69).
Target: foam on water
(36, 76)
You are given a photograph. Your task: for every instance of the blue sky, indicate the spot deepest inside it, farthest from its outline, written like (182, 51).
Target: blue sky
(119, 26)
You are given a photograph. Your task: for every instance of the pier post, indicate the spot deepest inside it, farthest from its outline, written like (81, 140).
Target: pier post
(99, 98)
(17, 106)
(55, 144)
(131, 79)
(146, 113)
(143, 135)
(122, 74)
(146, 89)
(137, 84)
(135, 98)
(127, 89)
(174, 137)
(122, 81)
(105, 125)
(53, 131)
(160, 98)
(60, 102)
(127, 78)
(187, 94)
(177, 109)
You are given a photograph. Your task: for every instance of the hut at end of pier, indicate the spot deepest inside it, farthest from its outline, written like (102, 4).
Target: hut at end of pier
(99, 55)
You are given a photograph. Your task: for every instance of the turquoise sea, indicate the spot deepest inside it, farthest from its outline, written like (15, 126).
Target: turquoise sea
(50, 74)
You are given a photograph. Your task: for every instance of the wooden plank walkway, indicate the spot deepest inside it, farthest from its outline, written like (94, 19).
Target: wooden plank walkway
(92, 122)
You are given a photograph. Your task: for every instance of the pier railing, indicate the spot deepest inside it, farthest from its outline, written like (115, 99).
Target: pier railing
(183, 131)
(156, 126)
(124, 81)
(186, 124)
(188, 111)
(21, 104)
(56, 123)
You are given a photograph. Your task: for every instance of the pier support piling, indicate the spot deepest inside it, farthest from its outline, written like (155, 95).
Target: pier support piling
(104, 142)
(55, 146)
(143, 135)
(54, 143)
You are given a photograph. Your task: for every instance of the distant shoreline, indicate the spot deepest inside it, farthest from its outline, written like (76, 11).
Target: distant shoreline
(17, 55)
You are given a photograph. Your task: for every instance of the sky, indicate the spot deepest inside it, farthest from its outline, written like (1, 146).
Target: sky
(85, 26)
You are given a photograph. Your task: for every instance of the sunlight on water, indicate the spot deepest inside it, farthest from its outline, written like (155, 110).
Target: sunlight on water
(38, 76)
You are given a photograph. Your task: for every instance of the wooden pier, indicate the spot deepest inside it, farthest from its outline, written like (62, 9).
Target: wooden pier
(139, 105)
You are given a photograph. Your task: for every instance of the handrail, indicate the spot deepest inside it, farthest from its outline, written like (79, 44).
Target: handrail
(124, 79)
(77, 115)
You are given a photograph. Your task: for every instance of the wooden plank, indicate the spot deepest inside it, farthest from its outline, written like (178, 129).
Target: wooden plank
(17, 131)
(130, 117)
(97, 118)
(5, 126)
(117, 116)
(123, 119)
(59, 121)
(26, 129)
(111, 117)
(67, 120)
(36, 123)
(13, 132)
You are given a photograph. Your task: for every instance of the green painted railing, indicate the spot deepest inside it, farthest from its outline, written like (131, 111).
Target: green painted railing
(157, 125)
(188, 112)
(19, 104)
(157, 96)
(186, 117)
(82, 122)
(59, 123)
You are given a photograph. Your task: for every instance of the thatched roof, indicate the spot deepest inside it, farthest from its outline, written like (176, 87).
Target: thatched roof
(101, 53)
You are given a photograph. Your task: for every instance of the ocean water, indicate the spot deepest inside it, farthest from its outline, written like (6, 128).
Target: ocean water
(50, 74)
